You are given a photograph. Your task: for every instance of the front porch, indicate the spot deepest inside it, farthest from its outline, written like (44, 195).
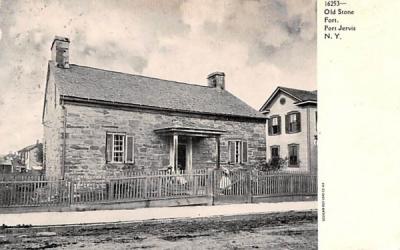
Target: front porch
(183, 144)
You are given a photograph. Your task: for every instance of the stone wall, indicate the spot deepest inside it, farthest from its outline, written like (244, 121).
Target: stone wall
(87, 128)
(53, 121)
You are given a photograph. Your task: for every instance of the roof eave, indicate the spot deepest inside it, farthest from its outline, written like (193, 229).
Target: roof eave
(273, 96)
(265, 111)
(45, 91)
(199, 132)
(306, 102)
(130, 105)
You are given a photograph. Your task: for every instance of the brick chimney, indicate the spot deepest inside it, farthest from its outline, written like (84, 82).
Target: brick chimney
(60, 52)
(216, 80)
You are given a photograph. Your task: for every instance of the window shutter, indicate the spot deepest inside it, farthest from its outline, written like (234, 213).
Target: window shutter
(279, 125)
(231, 148)
(270, 126)
(109, 147)
(130, 154)
(298, 122)
(296, 153)
(244, 151)
(287, 117)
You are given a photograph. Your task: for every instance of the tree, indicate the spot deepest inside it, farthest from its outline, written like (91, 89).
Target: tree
(39, 154)
(274, 164)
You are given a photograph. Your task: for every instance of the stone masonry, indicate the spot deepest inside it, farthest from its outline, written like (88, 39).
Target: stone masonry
(86, 129)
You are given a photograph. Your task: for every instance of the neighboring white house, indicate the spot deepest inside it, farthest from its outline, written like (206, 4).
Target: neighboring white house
(292, 128)
(29, 157)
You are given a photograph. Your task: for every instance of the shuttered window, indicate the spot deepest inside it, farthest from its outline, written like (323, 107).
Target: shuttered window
(274, 152)
(119, 148)
(293, 155)
(293, 122)
(274, 125)
(237, 151)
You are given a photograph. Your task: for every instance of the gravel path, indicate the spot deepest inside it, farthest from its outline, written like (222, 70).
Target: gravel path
(105, 216)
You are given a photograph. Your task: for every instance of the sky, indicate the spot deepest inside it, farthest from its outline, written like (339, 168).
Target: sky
(258, 44)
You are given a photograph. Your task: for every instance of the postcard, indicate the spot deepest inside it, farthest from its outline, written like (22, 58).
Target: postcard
(189, 124)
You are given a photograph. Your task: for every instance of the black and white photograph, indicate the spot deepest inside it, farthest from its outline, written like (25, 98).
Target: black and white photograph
(181, 124)
(196, 119)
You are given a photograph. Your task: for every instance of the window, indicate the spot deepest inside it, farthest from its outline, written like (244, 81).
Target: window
(274, 127)
(293, 155)
(119, 148)
(237, 151)
(293, 122)
(274, 152)
(316, 121)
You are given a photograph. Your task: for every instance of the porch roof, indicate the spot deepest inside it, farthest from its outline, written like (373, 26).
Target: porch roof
(190, 131)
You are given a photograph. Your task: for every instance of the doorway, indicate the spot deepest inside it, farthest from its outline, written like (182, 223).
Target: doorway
(182, 157)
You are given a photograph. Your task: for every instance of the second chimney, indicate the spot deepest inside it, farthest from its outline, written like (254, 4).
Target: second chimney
(60, 52)
(216, 80)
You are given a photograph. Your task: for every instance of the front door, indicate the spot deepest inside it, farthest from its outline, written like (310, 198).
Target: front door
(181, 157)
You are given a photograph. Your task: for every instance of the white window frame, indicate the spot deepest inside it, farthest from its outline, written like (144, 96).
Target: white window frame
(238, 157)
(275, 124)
(293, 122)
(294, 116)
(238, 151)
(113, 147)
(275, 121)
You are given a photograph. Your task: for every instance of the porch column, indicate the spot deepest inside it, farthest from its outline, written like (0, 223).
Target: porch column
(175, 151)
(218, 151)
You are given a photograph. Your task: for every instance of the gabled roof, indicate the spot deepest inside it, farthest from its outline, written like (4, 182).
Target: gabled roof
(87, 84)
(301, 96)
(28, 148)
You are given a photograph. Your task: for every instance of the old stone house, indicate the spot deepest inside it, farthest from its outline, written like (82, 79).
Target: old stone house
(101, 122)
(292, 128)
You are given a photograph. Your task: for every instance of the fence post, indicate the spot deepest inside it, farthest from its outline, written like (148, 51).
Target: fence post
(249, 191)
(145, 187)
(111, 191)
(210, 184)
(291, 183)
(71, 192)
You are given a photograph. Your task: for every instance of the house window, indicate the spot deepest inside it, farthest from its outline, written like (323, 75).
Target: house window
(237, 151)
(119, 148)
(293, 155)
(293, 122)
(274, 127)
(316, 121)
(274, 152)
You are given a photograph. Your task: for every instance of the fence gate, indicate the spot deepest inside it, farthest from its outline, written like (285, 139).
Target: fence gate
(232, 187)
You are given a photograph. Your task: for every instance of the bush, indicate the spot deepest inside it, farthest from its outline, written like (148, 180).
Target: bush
(273, 164)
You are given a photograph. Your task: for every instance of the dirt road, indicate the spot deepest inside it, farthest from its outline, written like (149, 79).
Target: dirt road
(290, 230)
